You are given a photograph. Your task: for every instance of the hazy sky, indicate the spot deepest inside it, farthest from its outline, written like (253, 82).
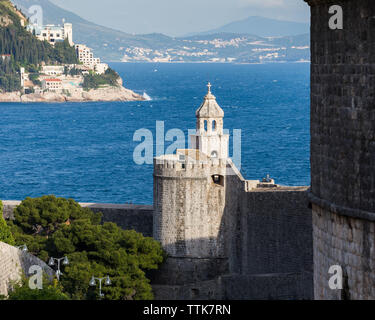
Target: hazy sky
(178, 17)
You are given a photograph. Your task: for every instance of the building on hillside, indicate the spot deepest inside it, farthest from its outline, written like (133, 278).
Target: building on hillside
(86, 56)
(53, 85)
(101, 68)
(53, 70)
(5, 57)
(24, 77)
(53, 33)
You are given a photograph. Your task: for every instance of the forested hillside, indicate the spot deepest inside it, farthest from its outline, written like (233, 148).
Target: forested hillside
(25, 49)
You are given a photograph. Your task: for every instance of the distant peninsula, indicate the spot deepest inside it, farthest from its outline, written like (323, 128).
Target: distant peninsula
(109, 93)
(42, 64)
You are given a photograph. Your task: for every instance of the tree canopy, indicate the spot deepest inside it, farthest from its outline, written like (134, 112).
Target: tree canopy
(5, 233)
(50, 291)
(57, 227)
(94, 81)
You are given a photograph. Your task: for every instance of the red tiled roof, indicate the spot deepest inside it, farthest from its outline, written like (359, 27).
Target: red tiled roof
(53, 80)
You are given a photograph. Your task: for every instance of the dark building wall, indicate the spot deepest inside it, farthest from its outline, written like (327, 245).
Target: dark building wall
(128, 217)
(342, 105)
(277, 231)
(276, 286)
(343, 147)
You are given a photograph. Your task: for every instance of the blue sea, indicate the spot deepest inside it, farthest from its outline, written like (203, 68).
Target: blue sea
(84, 151)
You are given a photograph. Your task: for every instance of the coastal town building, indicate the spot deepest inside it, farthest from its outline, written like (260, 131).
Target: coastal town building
(53, 70)
(53, 77)
(5, 57)
(53, 33)
(86, 56)
(101, 68)
(23, 76)
(54, 85)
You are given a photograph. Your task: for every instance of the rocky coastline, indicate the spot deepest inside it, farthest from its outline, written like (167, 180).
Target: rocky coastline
(102, 94)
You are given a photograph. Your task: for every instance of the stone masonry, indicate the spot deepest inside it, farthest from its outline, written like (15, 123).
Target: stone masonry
(221, 231)
(343, 147)
(14, 262)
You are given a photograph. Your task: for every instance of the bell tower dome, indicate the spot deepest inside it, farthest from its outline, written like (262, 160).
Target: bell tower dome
(210, 138)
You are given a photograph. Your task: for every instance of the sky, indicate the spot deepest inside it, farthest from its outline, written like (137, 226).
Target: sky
(180, 17)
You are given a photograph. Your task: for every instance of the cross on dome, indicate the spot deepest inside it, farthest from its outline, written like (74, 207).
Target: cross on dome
(209, 108)
(210, 138)
(209, 87)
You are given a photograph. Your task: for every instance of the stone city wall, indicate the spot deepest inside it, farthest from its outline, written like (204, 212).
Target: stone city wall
(348, 242)
(14, 262)
(276, 229)
(267, 236)
(268, 242)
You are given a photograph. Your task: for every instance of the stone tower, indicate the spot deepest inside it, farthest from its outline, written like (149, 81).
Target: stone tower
(68, 33)
(343, 147)
(189, 201)
(210, 138)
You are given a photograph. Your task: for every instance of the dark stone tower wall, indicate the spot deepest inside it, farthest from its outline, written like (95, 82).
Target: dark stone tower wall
(343, 105)
(343, 147)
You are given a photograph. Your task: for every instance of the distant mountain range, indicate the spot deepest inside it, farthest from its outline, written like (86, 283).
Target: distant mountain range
(263, 27)
(252, 40)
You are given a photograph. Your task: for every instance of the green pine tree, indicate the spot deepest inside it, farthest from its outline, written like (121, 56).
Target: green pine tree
(5, 233)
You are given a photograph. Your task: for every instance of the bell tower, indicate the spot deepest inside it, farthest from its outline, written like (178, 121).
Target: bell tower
(210, 138)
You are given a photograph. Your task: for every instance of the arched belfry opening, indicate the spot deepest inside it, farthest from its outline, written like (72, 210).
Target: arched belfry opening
(209, 137)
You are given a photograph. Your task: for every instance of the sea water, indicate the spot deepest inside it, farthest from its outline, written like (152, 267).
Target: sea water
(85, 150)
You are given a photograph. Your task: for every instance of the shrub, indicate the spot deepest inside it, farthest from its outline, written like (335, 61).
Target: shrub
(94, 81)
(50, 291)
(57, 227)
(5, 233)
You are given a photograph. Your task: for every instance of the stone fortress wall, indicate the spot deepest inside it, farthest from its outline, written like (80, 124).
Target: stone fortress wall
(222, 231)
(267, 239)
(14, 263)
(269, 253)
(263, 234)
(343, 147)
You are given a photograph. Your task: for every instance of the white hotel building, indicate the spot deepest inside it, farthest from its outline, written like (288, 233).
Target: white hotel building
(53, 33)
(86, 56)
(56, 33)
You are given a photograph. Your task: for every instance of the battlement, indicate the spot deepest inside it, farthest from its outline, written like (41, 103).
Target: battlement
(188, 163)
